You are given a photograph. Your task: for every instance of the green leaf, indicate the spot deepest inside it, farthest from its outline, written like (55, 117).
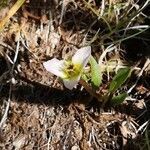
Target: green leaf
(96, 76)
(116, 100)
(121, 76)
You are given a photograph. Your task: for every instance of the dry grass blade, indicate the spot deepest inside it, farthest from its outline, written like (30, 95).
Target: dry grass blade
(11, 12)
(140, 74)
(6, 109)
(11, 84)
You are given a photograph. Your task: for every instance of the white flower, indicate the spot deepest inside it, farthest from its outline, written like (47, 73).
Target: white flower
(69, 70)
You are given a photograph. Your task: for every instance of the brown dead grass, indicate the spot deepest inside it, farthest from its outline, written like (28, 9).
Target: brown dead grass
(42, 113)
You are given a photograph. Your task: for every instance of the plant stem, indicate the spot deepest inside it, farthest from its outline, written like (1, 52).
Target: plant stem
(90, 90)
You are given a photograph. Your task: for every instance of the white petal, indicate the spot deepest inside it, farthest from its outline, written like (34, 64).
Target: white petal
(55, 66)
(70, 83)
(82, 56)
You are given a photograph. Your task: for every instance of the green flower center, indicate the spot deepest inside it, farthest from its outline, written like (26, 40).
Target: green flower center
(72, 70)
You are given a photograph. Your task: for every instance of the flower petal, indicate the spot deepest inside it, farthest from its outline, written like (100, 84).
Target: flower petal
(82, 56)
(70, 83)
(55, 66)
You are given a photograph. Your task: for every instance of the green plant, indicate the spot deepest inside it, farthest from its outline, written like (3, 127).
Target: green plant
(71, 72)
